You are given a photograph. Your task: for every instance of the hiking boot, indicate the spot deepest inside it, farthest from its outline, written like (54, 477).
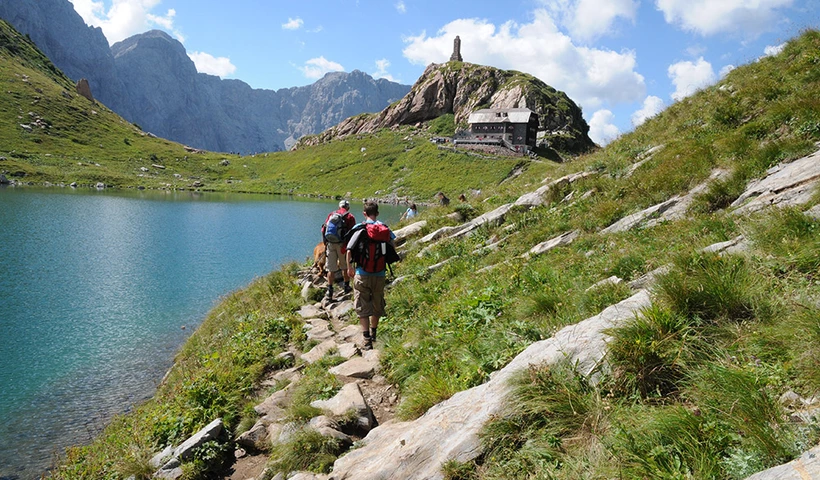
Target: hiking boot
(329, 294)
(368, 344)
(348, 289)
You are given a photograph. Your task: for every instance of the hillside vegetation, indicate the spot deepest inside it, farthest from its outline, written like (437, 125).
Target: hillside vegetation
(50, 134)
(693, 385)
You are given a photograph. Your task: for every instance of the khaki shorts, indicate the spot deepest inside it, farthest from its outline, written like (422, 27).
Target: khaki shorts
(335, 259)
(368, 298)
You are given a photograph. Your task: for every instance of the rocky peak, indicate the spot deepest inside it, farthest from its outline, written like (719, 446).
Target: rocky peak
(155, 49)
(461, 88)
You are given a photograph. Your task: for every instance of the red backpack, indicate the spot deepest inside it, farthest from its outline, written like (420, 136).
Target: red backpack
(370, 248)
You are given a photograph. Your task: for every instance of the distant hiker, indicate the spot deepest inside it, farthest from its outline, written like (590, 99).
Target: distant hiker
(371, 248)
(410, 212)
(462, 198)
(442, 199)
(336, 226)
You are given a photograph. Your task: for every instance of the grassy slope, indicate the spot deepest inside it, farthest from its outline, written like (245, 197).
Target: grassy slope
(725, 338)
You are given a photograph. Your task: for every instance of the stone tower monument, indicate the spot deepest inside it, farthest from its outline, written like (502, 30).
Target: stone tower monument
(456, 56)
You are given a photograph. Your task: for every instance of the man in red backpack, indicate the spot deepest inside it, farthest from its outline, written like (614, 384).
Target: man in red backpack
(336, 226)
(368, 249)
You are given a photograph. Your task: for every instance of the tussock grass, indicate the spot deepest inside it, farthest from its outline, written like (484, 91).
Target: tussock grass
(307, 450)
(710, 287)
(651, 354)
(552, 415)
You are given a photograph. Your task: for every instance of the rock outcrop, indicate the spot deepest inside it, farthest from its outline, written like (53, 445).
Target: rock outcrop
(460, 88)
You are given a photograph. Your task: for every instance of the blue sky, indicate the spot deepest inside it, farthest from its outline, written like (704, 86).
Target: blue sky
(621, 60)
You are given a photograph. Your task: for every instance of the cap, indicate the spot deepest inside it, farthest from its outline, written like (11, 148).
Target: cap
(344, 204)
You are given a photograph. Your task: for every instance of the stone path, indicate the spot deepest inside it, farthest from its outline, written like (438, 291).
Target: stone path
(365, 391)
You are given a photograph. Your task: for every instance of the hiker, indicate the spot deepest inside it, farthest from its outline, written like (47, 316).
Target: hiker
(370, 248)
(410, 212)
(442, 199)
(462, 198)
(336, 226)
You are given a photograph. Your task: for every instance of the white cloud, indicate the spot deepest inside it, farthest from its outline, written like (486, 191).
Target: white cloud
(207, 63)
(602, 130)
(748, 18)
(381, 70)
(587, 20)
(589, 76)
(652, 106)
(401, 7)
(688, 77)
(725, 70)
(293, 24)
(126, 18)
(316, 68)
(773, 49)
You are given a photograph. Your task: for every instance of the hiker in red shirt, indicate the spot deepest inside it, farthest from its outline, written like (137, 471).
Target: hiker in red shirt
(336, 226)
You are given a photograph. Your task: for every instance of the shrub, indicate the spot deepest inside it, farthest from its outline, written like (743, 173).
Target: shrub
(710, 287)
(791, 238)
(672, 443)
(549, 412)
(741, 401)
(308, 450)
(650, 353)
(444, 125)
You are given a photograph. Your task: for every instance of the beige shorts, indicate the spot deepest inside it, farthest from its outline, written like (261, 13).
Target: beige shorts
(335, 260)
(368, 298)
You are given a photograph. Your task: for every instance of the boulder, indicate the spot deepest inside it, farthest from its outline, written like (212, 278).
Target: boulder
(319, 333)
(341, 309)
(349, 398)
(84, 89)
(172, 468)
(312, 311)
(491, 218)
(274, 404)
(318, 351)
(357, 367)
(786, 184)
(803, 468)
(348, 350)
(814, 212)
(613, 280)
(735, 245)
(437, 234)
(161, 457)
(633, 220)
(350, 332)
(256, 438)
(560, 240)
(414, 228)
(211, 431)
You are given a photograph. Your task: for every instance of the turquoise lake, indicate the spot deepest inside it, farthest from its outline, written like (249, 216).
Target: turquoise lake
(98, 290)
